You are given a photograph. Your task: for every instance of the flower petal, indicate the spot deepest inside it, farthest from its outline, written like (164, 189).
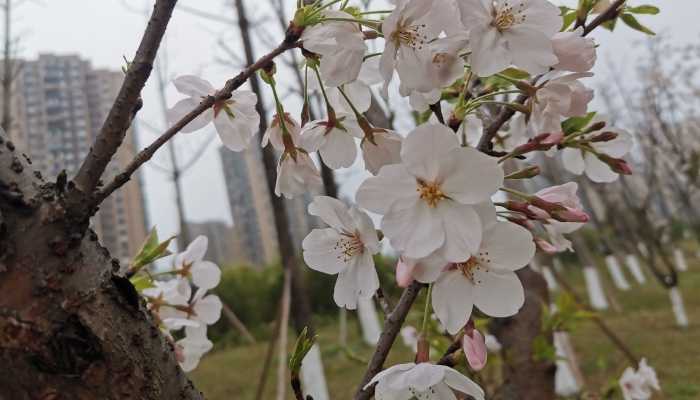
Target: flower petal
(497, 294)
(470, 176)
(507, 246)
(399, 225)
(321, 252)
(453, 299)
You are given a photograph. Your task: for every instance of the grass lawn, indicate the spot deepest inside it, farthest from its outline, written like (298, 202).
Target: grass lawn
(646, 323)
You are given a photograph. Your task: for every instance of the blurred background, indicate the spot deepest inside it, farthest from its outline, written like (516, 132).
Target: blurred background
(62, 67)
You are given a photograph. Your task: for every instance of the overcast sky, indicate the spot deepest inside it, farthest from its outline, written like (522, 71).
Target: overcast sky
(103, 31)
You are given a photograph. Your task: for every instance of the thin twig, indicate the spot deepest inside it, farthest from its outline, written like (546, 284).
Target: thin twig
(223, 94)
(392, 326)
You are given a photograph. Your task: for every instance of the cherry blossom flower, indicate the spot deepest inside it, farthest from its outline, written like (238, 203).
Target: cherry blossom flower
(474, 346)
(428, 200)
(423, 381)
(166, 294)
(408, 30)
(203, 308)
(273, 134)
(190, 264)
(235, 119)
(346, 249)
(296, 175)
(421, 102)
(510, 32)
(560, 96)
(341, 46)
(358, 91)
(333, 139)
(596, 159)
(384, 148)
(442, 66)
(192, 347)
(575, 52)
(640, 384)
(486, 280)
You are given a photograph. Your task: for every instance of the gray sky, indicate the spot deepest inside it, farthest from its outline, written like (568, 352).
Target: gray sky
(103, 31)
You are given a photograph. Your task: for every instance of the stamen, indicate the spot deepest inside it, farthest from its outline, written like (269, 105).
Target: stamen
(430, 192)
(348, 246)
(410, 35)
(507, 16)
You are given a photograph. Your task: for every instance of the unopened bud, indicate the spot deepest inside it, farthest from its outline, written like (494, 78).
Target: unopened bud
(525, 87)
(527, 173)
(423, 353)
(524, 222)
(618, 165)
(596, 126)
(604, 137)
(267, 73)
(474, 346)
(404, 273)
(545, 246)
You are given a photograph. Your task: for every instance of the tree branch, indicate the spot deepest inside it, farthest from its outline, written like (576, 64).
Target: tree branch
(231, 85)
(126, 104)
(392, 325)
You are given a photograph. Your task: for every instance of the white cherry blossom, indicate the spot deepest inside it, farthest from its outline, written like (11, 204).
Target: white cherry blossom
(575, 52)
(423, 381)
(297, 175)
(561, 96)
(273, 134)
(358, 91)
(428, 199)
(510, 32)
(383, 149)
(334, 139)
(192, 347)
(583, 160)
(486, 280)
(165, 294)
(190, 264)
(408, 30)
(341, 45)
(640, 384)
(235, 119)
(346, 249)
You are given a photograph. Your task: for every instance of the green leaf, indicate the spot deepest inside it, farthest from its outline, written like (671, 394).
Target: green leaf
(515, 73)
(645, 9)
(141, 282)
(568, 19)
(151, 251)
(610, 25)
(301, 348)
(632, 22)
(576, 124)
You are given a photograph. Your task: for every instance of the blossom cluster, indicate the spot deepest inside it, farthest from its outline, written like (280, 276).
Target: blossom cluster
(438, 191)
(175, 306)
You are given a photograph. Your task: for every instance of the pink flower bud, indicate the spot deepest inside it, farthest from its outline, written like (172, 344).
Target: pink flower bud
(545, 246)
(552, 138)
(404, 273)
(605, 137)
(474, 347)
(571, 215)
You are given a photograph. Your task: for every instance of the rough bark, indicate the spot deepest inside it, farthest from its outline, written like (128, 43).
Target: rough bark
(524, 377)
(69, 327)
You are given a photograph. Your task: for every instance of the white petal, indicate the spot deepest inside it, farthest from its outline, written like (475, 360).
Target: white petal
(489, 52)
(425, 148)
(393, 185)
(531, 50)
(497, 294)
(359, 280)
(339, 149)
(507, 246)
(193, 86)
(184, 107)
(573, 160)
(333, 212)
(598, 171)
(206, 275)
(366, 229)
(416, 231)
(470, 177)
(461, 383)
(195, 251)
(321, 252)
(208, 309)
(462, 231)
(235, 132)
(453, 299)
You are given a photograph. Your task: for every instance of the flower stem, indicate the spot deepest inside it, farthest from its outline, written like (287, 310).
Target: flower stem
(426, 311)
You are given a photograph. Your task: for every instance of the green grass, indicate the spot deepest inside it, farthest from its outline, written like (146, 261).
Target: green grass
(646, 323)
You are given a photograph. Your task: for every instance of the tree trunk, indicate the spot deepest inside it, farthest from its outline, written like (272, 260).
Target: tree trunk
(69, 327)
(524, 377)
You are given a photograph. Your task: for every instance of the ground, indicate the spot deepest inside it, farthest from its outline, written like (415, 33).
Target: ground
(646, 323)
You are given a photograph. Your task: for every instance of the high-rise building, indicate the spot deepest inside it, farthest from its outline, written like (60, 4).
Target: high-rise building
(223, 247)
(59, 104)
(251, 208)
